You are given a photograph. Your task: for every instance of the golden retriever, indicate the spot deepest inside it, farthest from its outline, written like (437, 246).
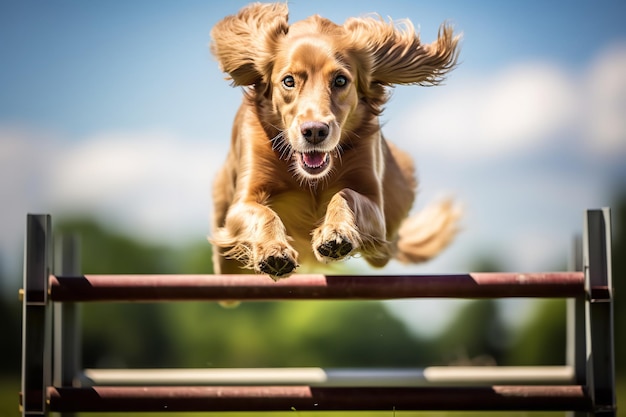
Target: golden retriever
(309, 177)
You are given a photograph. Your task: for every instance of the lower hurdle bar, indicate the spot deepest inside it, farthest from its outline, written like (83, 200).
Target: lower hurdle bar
(306, 398)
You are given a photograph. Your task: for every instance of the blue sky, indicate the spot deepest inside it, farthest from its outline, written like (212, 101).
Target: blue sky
(117, 109)
(79, 67)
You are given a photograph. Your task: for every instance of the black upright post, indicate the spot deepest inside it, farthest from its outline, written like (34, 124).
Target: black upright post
(36, 317)
(599, 311)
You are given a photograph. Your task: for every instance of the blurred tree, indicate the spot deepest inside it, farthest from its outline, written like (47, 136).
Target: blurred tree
(11, 329)
(542, 340)
(106, 252)
(312, 333)
(478, 336)
(195, 258)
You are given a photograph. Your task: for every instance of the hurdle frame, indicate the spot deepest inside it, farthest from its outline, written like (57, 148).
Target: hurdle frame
(53, 380)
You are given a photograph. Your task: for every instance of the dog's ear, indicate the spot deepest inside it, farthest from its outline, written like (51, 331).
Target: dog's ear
(394, 53)
(245, 43)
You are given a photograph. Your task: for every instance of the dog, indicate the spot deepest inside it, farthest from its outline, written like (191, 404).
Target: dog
(309, 178)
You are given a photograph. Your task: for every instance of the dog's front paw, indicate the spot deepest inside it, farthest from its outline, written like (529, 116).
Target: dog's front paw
(277, 267)
(277, 262)
(333, 245)
(335, 249)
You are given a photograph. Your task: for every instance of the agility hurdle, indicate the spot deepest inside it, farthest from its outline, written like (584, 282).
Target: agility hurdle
(54, 381)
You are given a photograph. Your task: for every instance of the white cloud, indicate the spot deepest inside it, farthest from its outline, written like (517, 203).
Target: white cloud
(606, 102)
(525, 106)
(156, 183)
(513, 110)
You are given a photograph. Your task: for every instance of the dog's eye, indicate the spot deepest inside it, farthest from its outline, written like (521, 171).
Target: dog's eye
(289, 82)
(340, 81)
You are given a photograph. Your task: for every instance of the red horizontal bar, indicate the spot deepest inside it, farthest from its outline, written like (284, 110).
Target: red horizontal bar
(261, 287)
(301, 398)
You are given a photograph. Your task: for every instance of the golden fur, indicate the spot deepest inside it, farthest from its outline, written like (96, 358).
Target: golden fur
(309, 177)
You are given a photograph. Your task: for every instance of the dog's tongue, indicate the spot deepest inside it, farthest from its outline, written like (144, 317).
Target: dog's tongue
(314, 159)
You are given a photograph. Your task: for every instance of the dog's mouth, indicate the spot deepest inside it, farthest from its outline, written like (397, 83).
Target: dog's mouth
(313, 163)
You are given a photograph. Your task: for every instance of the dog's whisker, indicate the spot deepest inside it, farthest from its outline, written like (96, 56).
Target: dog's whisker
(287, 152)
(290, 152)
(338, 154)
(282, 146)
(277, 140)
(293, 169)
(326, 179)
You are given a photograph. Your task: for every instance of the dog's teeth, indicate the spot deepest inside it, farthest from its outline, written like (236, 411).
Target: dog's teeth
(314, 159)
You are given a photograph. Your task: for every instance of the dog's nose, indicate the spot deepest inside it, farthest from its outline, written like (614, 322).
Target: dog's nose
(314, 132)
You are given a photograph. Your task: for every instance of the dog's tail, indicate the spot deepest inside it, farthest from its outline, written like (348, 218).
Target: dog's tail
(428, 232)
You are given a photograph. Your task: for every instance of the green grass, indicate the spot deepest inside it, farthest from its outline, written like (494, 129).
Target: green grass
(9, 396)
(296, 413)
(9, 389)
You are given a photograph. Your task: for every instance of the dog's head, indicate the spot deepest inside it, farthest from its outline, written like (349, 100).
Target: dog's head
(320, 84)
